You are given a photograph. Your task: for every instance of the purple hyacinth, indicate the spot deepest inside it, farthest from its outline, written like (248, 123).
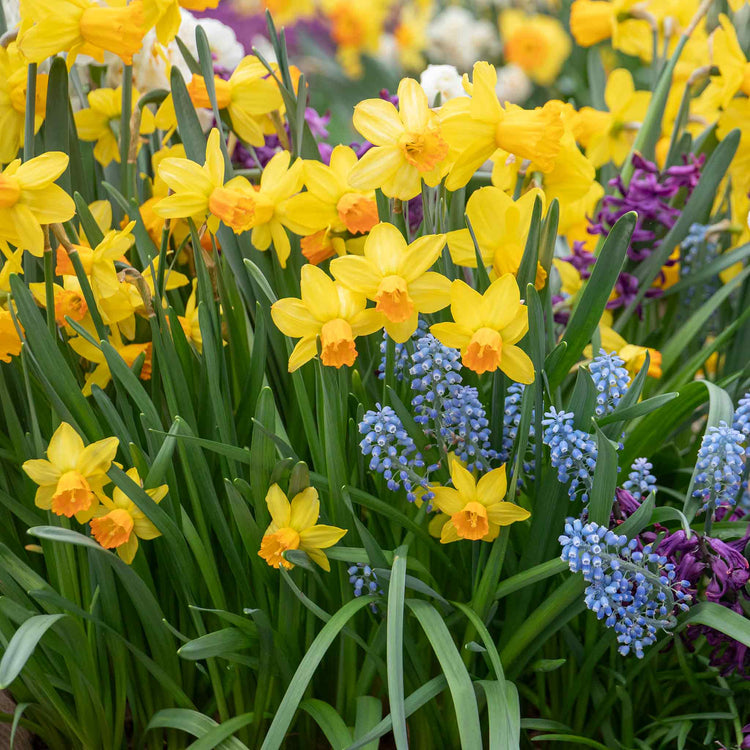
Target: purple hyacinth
(581, 259)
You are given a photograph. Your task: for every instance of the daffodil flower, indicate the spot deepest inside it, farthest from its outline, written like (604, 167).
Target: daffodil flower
(396, 278)
(476, 127)
(486, 328)
(609, 136)
(165, 16)
(327, 310)
(294, 526)
(593, 21)
(72, 477)
(408, 144)
(734, 67)
(30, 198)
(501, 227)
(80, 27)
(632, 355)
(475, 510)
(200, 191)
(95, 122)
(69, 300)
(118, 523)
(248, 94)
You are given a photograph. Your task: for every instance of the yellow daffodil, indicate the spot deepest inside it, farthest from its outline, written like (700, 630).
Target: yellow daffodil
(486, 328)
(10, 341)
(609, 136)
(80, 27)
(118, 523)
(72, 476)
(408, 144)
(356, 28)
(411, 35)
(30, 198)
(69, 300)
(734, 67)
(101, 375)
(475, 510)
(247, 95)
(330, 205)
(200, 191)
(396, 277)
(501, 227)
(189, 322)
(13, 74)
(593, 21)
(536, 43)
(96, 122)
(278, 183)
(294, 526)
(328, 310)
(476, 127)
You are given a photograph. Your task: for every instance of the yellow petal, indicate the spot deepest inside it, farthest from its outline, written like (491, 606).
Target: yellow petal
(97, 457)
(127, 551)
(214, 158)
(448, 500)
(321, 182)
(367, 322)
(356, 273)
(182, 205)
(293, 318)
(50, 204)
(471, 158)
(451, 334)
(305, 509)
(430, 292)
(305, 350)
(320, 536)
(386, 248)
(505, 514)
(412, 105)
(378, 121)
(28, 230)
(517, 365)
(449, 533)
(41, 471)
(517, 328)
(376, 167)
(319, 293)
(466, 304)
(278, 506)
(500, 302)
(462, 249)
(65, 447)
(619, 89)
(463, 481)
(491, 487)
(319, 558)
(421, 255)
(405, 183)
(401, 332)
(183, 175)
(42, 170)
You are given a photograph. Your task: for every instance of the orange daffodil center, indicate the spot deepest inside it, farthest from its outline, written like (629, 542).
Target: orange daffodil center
(114, 529)
(394, 275)
(475, 510)
(486, 328)
(10, 191)
(294, 525)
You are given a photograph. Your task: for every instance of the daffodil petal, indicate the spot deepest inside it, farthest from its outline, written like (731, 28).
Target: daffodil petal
(278, 506)
(97, 457)
(491, 487)
(319, 293)
(376, 167)
(430, 292)
(65, 447)
(448, 500)
(41, 471)
(293, 318)
(452, 335)
(463, 481)
(517, 328)
(517, 365)
(500, 302)
(505, 514)
(305, 509)
(378, 121)
(305, 350)
(320, 536)
(356, 273)
(466, 304)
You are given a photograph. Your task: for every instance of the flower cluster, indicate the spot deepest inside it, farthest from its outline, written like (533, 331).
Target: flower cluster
(573, 452)
(611, 381)
(719, 467)
(640, 481)
(635, 591)
(365, 581)
(741, 421)
(393, 453)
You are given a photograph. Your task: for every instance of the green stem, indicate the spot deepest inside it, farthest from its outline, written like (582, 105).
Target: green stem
(49, 280)
(28, 126)
(125, 113)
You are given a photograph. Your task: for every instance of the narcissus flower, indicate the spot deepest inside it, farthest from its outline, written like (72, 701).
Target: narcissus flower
(593, 21)
(475, 510)
(396, 278)
(501, 227)
(278, 183)
(294, 526)
(80, 27)
(476, 127)
(609, 136)
(10, 341)
(200, 191)
(69, 300)
(486, 328)
(408, 144)
(328, 310)
(13, 75)
(633, 356)
(30, 198)
(189, 322)
(734, 67)
(73, 476)
(96, 122)
(536, 43)
(330, 204)
(118, 523)
(247, 95)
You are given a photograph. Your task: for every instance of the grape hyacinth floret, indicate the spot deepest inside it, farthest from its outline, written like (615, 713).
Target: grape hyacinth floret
(393, 452)
(611, 381)
(465, 428)
(435, 370)
(572, 452)
(719, 467)
(634, 591)
(511, 423)
(741, 421)
(640, 480)
(364, 580)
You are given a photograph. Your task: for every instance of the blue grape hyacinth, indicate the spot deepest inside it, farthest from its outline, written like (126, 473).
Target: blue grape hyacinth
(719, 467)
(611, 380)
(393, 452)
(741, 421)
(573, 452)
(634, 591)
(640, 480)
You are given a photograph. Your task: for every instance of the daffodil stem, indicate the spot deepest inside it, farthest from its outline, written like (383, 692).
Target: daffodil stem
(390, 365)
(49, 280)
(125, 113)
(28, 125)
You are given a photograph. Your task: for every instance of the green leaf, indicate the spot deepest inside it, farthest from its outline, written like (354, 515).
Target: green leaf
(293, 695)
(637, 410)
(604, 481)
(395, 648)
(325, 716)
(219, 735)
(530, 576)
(192, 722)
(190, 128)
(22, 646)
(640, 519)
(597, 78)
(459, 681)
(369, 714)
(593, 301)
(719, 618)
(219, 643)
(571, 738)
(530, 259)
